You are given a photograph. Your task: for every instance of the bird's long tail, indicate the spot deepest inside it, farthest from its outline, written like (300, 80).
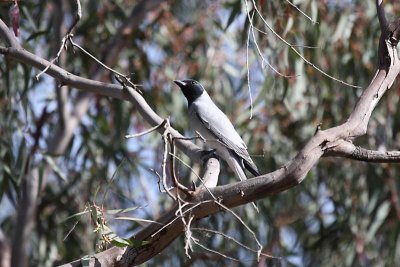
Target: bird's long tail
(234, 164)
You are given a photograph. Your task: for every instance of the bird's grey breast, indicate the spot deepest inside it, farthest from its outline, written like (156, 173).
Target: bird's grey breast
(200, 125)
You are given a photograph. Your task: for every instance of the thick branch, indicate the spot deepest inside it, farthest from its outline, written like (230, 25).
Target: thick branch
(349, 150)
(211, 173)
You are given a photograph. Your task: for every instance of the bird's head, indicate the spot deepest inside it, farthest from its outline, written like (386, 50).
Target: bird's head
(191, 89)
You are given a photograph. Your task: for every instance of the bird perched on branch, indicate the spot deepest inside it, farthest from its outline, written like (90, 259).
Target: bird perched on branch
(215, 127)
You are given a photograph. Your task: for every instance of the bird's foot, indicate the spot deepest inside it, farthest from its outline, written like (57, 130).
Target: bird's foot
(207, 154)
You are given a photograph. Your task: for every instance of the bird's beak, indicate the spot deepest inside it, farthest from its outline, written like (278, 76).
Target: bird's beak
(180, 83)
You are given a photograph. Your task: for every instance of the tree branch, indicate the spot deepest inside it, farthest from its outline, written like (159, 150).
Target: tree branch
(105, 89)
(349, 150)
(8, 35)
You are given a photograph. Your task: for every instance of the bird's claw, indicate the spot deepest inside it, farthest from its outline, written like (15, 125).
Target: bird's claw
(207, 154)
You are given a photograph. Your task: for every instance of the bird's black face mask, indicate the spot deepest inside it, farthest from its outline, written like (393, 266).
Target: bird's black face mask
(191, 89)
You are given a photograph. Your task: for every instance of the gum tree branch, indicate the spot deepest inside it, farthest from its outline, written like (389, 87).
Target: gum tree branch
(101, 88)
(8, 35)
(351, 151)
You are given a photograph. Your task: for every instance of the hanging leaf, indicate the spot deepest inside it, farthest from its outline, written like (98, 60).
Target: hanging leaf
(235, 11)
(15, 18)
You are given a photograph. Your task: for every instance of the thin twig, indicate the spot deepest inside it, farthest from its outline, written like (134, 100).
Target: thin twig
(78, 16)
(295, 50)
(178, 212)
(159, 179)
(62, 47)
(198, 176)
(177, 184)
(147, 131)
(248, 70)
(68, 36)
(196, 241)
(183, 213)
(200, 229)
(188, 237)
(294, 45)
(114, 175)
(123, 77)
(164, 161)
(263, 60)
(136, 220)
(245, 225)
(307, 46)
(304, 14)
(172, 161)
(72, 229)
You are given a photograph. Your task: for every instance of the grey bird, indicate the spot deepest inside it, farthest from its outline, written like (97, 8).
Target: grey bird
(215, 127)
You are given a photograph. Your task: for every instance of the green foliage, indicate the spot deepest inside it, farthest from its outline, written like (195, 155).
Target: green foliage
(345, 213)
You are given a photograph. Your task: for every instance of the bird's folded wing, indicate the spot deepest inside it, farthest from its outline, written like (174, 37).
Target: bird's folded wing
(233, 141)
